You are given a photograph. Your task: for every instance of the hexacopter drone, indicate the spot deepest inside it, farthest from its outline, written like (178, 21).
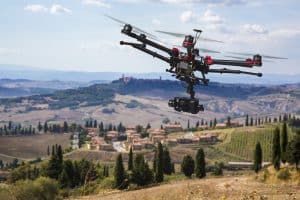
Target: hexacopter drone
(183, 65)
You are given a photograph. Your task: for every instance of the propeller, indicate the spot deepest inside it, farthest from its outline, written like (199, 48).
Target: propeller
(181, 35)
(135, 29)
(251, 54)
(243, 58)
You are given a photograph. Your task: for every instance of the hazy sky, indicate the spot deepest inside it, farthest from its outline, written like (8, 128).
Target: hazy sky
(74, 34)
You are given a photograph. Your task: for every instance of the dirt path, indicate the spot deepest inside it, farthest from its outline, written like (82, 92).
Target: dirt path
(240, 188)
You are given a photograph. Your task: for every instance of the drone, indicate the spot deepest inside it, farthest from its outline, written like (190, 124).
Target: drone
(184, 64)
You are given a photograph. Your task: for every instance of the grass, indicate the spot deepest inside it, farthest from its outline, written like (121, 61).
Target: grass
(30, 147)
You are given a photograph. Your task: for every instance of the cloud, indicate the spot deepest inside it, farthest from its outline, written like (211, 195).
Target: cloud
(286, 33)
(58, 9)
(211, 2)
(99, 3)
(35, 8)
(209, 17)
(55, 9)
(156, 22)
(255, 28)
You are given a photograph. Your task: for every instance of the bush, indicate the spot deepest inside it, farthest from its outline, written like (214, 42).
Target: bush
(188, 166)
(284, 174)
(41, 188)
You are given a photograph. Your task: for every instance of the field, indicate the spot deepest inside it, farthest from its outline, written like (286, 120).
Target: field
(29, 147)
(212, 188)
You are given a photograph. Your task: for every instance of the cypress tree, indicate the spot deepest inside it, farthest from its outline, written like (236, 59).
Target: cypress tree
(46, 127)
(154, 161)
(130, 159)
(200, 164)
(188, 165)
(48, 151)
(141, 174)
(228, 124)
(215, 122)
(66, 127)
(119, 173)
(188, 124)
(40, 127)
(159, 173)
(293, 150)
(257, 158)
(247, 121)
(167, 164)
(276, 149)
(284, 141)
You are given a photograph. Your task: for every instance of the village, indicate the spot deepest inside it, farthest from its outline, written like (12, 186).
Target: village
(134, 140)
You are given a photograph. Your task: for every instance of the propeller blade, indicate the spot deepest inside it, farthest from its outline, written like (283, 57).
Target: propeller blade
(208, 50)
(181, 35)
(135, 29)
(172, 34)
(251, 54)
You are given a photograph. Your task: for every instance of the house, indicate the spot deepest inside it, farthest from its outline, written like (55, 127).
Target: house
(171, 142)
(208, 138)
(221, 125)
(112, 135)
(173, 128)
(106, 147)
(157, 135)
(75, 141)
(158, 138)
(136, 146)
(184, 140)
(95, 143)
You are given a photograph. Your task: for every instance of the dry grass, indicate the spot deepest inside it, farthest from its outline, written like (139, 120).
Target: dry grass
(28, 147)
(232, 188)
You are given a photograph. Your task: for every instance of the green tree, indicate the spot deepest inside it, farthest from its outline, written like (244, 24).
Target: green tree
(167, 163)
(141, 173)
(188, 165)
(130, 159)
(293, 150)
(46, 127)
(40, 127)
(159, 173)
(276, 149)
(257, 158)
(228, 123)
(66, 127)
(119, 173)
(200, 164)
(284, 141)
(218, 169)
(41, 188)
(247, 121)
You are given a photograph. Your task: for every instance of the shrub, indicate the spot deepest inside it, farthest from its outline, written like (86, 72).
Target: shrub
(41, 188)
(284, 174)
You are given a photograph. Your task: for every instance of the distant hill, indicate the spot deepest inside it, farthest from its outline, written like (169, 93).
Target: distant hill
(27, 72)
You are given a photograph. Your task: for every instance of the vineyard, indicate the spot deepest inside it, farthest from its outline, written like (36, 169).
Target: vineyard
(241, 142)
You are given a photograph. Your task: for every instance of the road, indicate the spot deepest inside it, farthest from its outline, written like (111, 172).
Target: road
(119, 147)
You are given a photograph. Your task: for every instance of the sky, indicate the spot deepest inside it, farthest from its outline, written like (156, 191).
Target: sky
(75, 35)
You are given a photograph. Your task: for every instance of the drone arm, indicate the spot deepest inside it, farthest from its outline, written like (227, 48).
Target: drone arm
(241, 63)
(141, 47)
(144, 40)
(230, 71)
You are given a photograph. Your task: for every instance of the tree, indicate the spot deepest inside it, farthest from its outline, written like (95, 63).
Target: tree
(257, 158)
(130, 159)
(284, 141)
(276, 149)
(228, 123)
(188, 166)
(148, 126)
(167, 164)
(159, 173)
(141, 174)
(215, 122)
(119, 173)
(67, 174)
(247, 121)
(200, 164)
(46, 127)
(66, 127)
(293, 150)
(218, 169)
(188, 124)
(40, 127)
(55, 163)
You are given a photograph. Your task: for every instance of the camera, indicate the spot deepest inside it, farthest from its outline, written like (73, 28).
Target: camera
(185, 104)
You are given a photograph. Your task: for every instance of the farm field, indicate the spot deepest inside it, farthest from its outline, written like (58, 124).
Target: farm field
(228, 187)
(29, 147)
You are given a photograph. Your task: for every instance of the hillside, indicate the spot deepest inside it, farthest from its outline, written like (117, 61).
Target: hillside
(113, 102)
